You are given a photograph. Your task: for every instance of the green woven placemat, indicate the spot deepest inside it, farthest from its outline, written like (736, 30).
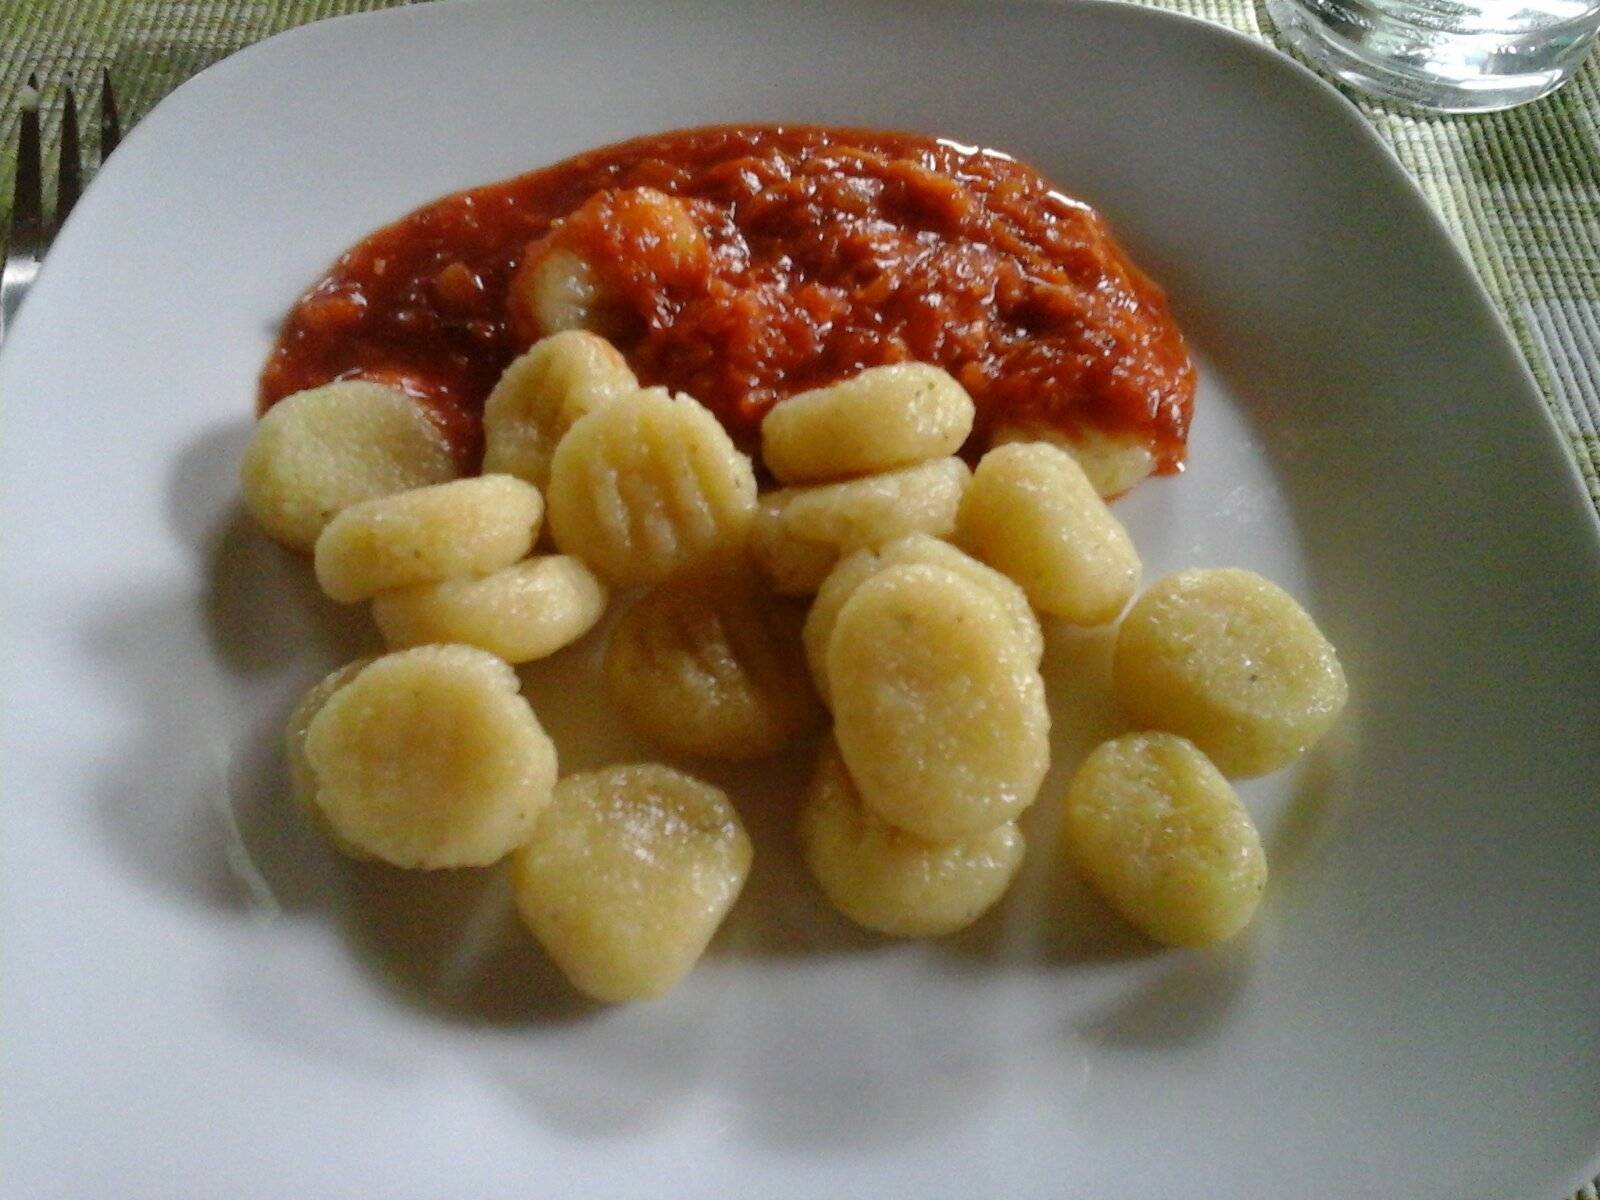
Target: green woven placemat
(1519, 190)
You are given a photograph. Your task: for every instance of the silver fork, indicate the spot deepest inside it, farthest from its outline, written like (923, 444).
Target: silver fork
(31, 232)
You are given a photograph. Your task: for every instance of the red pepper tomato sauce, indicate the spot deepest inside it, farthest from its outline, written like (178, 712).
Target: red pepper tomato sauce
(823, 251)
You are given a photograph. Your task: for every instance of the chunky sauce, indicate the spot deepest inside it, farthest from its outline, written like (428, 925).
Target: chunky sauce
(829, 250)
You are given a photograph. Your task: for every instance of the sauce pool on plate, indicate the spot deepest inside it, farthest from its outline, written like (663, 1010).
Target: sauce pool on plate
(743, 264)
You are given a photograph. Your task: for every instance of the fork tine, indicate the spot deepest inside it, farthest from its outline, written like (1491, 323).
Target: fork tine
(69, 178)
(26, 215)
(110, 124)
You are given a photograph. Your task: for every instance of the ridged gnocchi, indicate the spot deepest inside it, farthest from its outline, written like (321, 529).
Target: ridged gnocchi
(628, 875)
(561, 290)
(302, 782)
(519, 613)
(894, 882)
(1155, 828)
(1112, 462)
(842, 582)
(712, 667)
(1230, 661)
(883, 418)
(317, 452)
(649, 486)
(1032, 514)
(802, 532)
(938, 709)
(540, 395)
(465, 527)
(431, 758)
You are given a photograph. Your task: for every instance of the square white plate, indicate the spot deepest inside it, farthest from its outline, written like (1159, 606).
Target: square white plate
(198, 1001)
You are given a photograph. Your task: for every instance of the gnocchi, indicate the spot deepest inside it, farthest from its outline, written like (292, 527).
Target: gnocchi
(561, 291)
(431, 758)
(918, 548)
(895, 882)
(713, 668)
(541, 394)
(302, 781)
(1154, 827)
(317, 452)
(1113, 463)
(627, 876)
(938, 710)
(649, 486)
(883, 418)
(1231, 662)
(801, 533)
(519, 613)
(465, 527)
(1032, 514)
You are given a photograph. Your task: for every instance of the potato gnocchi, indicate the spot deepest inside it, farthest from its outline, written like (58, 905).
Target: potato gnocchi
(842, 582)
(1032, 514)
(894, 882)
(627, 876)
(465, 527)
(1113, 463)
(522, 612)
(712, 667)
(938, 710)
(1231, 662)
(1156, 829)
(315, 453)
(302, 781)
(431, 758)
(540, 395)
(649, 486)
(881, 419)
(801, 533)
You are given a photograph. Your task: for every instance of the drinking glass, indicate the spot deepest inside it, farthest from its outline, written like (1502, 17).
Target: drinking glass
(1444, 55)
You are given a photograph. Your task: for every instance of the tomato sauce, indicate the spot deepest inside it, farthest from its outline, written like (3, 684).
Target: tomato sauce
(824, 251)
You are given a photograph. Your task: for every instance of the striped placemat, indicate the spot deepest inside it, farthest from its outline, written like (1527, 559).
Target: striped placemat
(1519, 190)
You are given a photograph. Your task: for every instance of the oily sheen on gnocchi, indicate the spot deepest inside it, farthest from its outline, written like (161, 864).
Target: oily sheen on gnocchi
(316, 453)
(712, 667)
(627, 876)
(938, 707)
(1152, 824)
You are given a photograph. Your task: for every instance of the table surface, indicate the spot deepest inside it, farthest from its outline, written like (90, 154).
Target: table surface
(1519, 190)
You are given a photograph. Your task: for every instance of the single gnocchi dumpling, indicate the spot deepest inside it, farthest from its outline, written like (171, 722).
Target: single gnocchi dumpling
(1032, 514)
(466, 527)
(1153, 826)
(431, 758)
(560, 290)
(315, 453)
(712, 667)
(894, 882)
(883, 418)
(563, 377)
(302, 782)
(1112, 462)
(842, 582)
(1231, 662)
(801, 533)
(649, 486)
(519, 613)
(627, 876)
(938, 709)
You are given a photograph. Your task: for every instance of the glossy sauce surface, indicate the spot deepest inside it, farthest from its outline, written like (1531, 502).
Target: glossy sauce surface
(824, 251)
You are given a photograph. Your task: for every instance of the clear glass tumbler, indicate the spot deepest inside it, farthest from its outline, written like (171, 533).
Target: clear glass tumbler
(1444, 55)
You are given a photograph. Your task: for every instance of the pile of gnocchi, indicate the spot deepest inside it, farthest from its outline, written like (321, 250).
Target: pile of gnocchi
(883, 589)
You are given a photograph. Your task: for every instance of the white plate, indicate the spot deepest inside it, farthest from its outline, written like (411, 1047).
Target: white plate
(198, 1001)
